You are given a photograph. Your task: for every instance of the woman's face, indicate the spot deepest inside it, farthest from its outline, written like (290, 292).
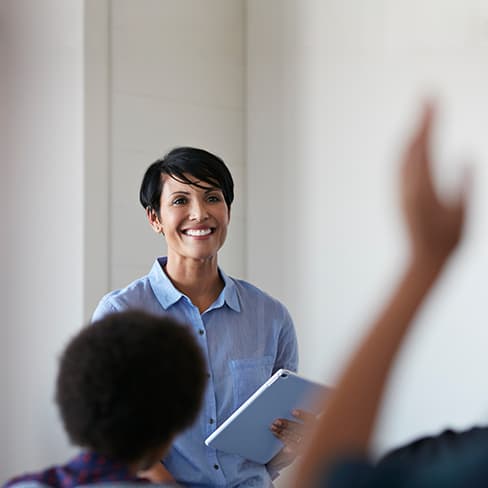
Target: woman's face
(194, 220)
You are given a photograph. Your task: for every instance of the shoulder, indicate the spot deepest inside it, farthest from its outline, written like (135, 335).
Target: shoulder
(134, 295)
(259, 305)
(128, 484)
(133, 289)
(102, 484)
(26, 484)
(444, 446)
(252, 292)
(467, 470)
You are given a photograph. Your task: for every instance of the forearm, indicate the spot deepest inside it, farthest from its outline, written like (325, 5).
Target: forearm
(350, 412)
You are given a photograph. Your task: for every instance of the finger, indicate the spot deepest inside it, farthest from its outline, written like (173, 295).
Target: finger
(287, 429)
(304, 416)
(425, 126)
(288, 433)
(424, 147)
(290, 438)
(465, 187)
(459, 202)
(417, 160)
(416, 168)
(288, 425)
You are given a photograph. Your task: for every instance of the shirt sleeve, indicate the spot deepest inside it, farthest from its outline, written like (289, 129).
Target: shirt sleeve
(286, 358)
(287, 352)
(104, 308)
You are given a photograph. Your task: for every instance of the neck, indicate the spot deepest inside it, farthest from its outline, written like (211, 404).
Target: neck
(149, 465)
(198, 279)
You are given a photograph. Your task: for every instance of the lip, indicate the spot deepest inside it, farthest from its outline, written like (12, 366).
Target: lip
(200, 231)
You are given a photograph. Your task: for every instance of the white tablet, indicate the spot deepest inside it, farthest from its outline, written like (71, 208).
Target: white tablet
(247, 431)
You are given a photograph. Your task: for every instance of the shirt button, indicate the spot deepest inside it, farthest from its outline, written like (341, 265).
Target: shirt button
(211, 421)
(201, 331)
(216, 466)
(208, 375)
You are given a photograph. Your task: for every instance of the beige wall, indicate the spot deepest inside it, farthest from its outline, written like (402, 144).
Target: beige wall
(332, 91)
(97, 90)
(42, 225)
(177, 78)
(309, 120)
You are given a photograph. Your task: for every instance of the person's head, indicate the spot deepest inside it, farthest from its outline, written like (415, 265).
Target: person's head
(128, 384)
(188, 165)
(187, 196)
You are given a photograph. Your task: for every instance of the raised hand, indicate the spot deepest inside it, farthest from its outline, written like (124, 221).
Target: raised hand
(435, 227)
(434, 224)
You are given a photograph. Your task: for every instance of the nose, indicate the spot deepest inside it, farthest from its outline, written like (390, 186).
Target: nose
(198, 211)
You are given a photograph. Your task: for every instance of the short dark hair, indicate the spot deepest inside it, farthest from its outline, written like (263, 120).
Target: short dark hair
(129, 382)
(201, 164)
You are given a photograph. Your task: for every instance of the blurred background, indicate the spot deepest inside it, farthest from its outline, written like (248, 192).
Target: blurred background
(309, 103)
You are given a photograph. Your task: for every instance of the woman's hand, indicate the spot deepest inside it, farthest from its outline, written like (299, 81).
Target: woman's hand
(293, 435)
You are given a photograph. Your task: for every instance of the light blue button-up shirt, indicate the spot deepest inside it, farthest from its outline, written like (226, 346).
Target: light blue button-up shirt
(246, 335)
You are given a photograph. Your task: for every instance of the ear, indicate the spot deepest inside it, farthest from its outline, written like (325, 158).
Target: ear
(154, 221)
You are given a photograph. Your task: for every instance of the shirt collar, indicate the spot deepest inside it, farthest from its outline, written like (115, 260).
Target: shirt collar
(168, 295)
(229, 293)
(104, 463)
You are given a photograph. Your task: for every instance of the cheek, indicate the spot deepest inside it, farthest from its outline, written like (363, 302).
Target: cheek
(225, 222)
(169, 218)
(224, 225)
(226, 215)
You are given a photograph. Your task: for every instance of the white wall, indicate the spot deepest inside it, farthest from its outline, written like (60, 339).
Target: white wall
(42, 188)
(332, 91)
(92, 92)
(177, 78)
(4, 248)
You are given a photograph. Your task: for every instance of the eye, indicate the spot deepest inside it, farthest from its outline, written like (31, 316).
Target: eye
(179, 201)
(214, 198)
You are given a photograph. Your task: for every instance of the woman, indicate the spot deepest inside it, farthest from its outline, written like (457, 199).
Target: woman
(245, 334)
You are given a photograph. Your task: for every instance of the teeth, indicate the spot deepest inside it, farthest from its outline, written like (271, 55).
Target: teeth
(198, 232)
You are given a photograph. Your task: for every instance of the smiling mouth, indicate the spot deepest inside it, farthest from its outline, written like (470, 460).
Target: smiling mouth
(198, 232)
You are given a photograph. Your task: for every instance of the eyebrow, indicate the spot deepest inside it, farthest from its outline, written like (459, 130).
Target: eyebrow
(207, 190)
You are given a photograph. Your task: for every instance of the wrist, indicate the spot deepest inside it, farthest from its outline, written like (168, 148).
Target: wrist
(423, 270)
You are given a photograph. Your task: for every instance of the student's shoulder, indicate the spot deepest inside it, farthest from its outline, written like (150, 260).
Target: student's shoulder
(104, 484)
(26, 484)
(441, 447)
(128, 484)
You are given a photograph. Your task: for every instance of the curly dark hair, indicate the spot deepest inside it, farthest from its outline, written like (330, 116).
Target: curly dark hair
(129, 382)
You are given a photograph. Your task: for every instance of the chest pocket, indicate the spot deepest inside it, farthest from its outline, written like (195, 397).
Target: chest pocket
(248, 375)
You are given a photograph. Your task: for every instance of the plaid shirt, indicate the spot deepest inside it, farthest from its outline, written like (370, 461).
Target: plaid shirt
(86, 468)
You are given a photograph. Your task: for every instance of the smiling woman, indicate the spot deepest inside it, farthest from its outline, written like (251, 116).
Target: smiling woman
(193, 217)
(245, 334)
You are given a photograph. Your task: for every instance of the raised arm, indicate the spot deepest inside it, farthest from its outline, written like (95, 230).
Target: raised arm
(435, 229)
